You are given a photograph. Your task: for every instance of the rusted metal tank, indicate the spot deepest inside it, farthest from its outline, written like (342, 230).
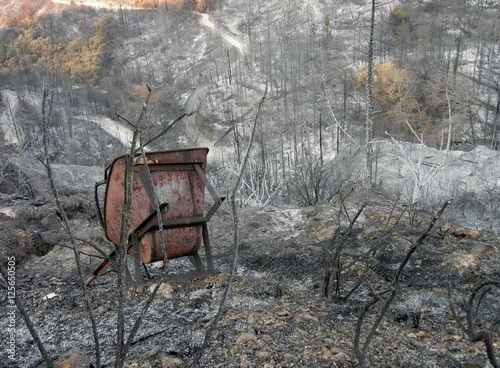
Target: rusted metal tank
(177, 180)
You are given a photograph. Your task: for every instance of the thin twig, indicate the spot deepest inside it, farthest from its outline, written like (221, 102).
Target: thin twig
(372, 252)
(390, 213)
(46, 119)
(394, 286)
(452, 305)
(156, 204)
(149, 335)
(169, 126)
(84, 253)
(138, 321)
(338, 250)
(419, 241)
(121, 346)
(361, 352)
(483, 335)
(234, 262)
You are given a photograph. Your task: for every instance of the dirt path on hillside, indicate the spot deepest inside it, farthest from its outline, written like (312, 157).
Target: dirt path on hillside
(235, 41)
(109, 4)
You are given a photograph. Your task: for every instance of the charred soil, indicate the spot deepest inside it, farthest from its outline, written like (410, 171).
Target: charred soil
(277, 314)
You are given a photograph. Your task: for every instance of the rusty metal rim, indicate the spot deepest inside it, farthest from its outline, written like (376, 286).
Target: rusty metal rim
(108, 167)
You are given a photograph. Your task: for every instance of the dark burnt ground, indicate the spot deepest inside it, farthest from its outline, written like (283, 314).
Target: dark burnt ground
(276, 315)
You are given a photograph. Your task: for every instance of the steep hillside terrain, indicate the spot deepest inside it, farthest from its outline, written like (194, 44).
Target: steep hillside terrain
(277, 314)
(193, 75)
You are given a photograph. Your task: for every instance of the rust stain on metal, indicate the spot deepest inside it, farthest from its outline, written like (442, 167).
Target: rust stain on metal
(182, 189)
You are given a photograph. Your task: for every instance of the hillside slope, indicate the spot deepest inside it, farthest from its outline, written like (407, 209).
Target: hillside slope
(301, 191)
(277, 314)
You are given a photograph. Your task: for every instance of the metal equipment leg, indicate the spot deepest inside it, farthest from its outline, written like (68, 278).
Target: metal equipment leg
(208, 250)
(137, 263)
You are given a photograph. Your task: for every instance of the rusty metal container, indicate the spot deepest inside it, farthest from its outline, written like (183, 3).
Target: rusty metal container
(176, 182)
(173, 182)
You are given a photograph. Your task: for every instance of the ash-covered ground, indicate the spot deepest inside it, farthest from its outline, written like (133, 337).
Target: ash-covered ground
(276, 314)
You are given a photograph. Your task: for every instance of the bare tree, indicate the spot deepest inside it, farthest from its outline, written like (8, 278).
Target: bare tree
(236, 237)
(369, 104)
(361, 349)
(47, 110)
